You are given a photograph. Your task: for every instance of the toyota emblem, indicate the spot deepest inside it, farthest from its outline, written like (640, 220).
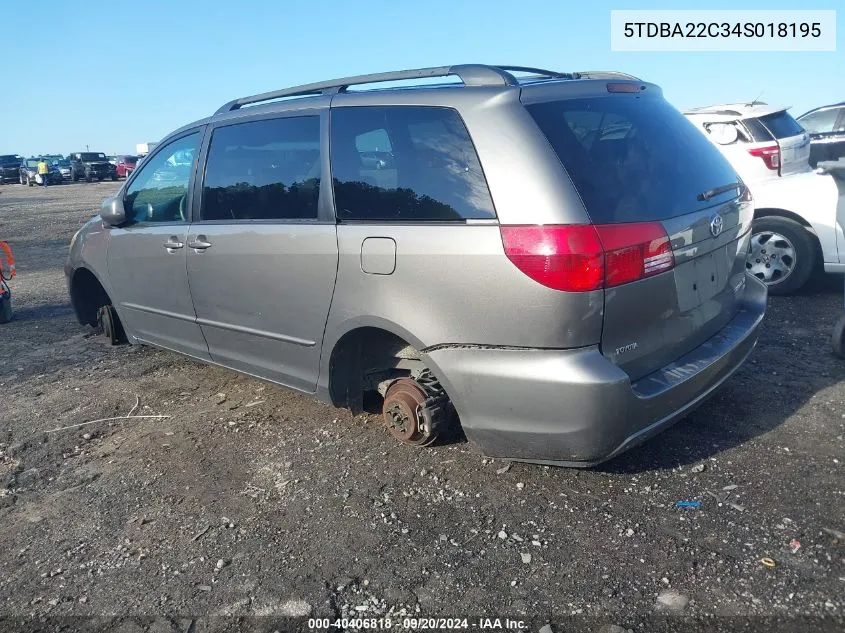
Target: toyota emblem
(716, 225)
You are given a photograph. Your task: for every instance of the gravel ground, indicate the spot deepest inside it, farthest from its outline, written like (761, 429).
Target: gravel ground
(252, 502)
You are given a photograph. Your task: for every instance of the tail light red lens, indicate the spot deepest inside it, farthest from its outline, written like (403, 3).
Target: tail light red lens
(634, 251)
(584, 257)
(769, 153)
(566, 257)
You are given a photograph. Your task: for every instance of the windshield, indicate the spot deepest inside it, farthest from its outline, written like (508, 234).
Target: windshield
(63, 163)
(10, 159)
(632, 159)
(32, 162)
(92, 156)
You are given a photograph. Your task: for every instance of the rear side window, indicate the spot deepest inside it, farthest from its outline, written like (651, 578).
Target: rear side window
(781, 125)
(263, 170)
(632, 159)
(406, 164)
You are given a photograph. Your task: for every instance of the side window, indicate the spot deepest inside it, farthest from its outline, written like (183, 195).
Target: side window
(159, 191)
(406, 164)
(758, 132)
(742, 134)
(821, 122)
(263, 170)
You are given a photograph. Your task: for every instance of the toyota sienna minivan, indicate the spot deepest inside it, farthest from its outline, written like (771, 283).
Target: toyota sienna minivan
(553, 261)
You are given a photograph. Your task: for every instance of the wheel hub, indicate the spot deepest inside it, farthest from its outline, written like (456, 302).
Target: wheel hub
(402, 411)
(771, 257)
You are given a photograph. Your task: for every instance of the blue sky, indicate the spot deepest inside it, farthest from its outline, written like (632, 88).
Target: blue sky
(113, 74)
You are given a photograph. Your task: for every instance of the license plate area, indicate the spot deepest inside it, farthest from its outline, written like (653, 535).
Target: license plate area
(703, 278)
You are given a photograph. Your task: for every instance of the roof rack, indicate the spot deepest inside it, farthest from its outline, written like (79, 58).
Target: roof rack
(469, 74)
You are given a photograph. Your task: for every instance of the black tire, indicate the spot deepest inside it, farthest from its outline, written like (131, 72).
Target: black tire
(29, 182)
(114, 178)
(5, 307)
(88, 178)
(112, 328)
(838, 338)
(21, 180)
(803, 246)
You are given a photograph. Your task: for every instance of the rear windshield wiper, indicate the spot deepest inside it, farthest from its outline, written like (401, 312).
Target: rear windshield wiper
(712, 193)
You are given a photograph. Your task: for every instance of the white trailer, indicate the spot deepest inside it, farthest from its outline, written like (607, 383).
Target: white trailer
(145, 148)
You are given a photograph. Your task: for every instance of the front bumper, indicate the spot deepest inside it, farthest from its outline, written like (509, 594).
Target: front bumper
(576, 408)
(10, 175)
(100, 172)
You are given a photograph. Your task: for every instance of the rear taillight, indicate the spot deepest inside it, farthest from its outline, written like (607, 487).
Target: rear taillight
(583, 257)
(634, 251)
(560, 257)
(769, 153)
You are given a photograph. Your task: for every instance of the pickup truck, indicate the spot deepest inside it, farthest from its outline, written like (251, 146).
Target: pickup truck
(90, 166)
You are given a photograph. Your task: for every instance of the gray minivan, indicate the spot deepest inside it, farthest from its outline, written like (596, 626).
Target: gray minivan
(554, 261)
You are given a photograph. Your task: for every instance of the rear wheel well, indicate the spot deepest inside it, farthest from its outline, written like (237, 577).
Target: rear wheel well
(87, 296)
(363, 359)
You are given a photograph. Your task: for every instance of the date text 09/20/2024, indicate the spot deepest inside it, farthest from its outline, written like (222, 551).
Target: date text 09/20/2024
(418, 624)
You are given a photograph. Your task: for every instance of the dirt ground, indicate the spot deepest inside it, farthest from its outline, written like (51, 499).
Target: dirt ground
(249, 503)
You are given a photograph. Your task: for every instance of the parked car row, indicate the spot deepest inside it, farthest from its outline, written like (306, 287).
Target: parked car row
(87, 166)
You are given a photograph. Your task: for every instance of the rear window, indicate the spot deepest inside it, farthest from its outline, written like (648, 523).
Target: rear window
(781, 125)
(632, 159)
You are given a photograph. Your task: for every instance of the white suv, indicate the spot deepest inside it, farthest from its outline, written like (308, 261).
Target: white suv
(795, 226)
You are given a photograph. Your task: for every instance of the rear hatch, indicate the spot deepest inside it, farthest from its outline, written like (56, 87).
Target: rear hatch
(671, 213)
(783, 131)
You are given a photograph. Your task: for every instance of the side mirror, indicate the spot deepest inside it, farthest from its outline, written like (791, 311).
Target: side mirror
(723, 133)
(112, 211)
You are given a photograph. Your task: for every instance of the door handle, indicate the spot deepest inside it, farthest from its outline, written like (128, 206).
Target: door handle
(173, 243)
(199, 243)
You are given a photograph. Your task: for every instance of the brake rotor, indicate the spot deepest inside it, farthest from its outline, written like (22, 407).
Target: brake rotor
(402, 412)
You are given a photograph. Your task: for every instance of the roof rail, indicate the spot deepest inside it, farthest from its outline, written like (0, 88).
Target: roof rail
(603, 74)
(469, 74)
(542, 72)
(713, 110)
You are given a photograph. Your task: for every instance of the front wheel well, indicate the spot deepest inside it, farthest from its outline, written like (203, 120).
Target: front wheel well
(770, 212)
(87, 296)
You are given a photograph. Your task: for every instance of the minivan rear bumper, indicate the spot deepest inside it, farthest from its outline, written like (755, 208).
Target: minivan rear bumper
(576, 408)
